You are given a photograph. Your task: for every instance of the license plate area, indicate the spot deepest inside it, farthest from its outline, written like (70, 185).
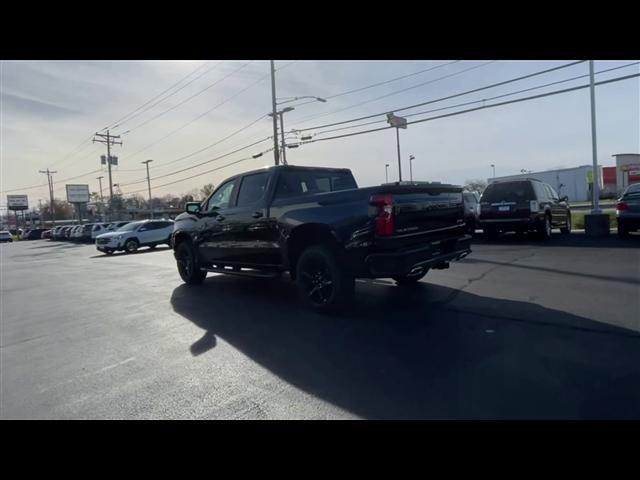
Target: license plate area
(504, 208)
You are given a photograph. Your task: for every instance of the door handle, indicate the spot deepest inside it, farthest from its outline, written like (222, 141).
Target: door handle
(257, 214)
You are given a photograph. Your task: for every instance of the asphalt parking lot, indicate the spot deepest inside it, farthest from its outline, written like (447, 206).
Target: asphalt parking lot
(519, 329)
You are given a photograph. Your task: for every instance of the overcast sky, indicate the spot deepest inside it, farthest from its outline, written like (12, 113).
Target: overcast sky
(49, 108)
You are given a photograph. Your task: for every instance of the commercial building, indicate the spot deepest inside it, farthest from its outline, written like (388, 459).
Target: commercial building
(574, 182)
(627, 170)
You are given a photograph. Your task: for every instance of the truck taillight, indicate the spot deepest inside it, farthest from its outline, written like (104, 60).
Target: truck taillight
(385, 221)
(620, 206)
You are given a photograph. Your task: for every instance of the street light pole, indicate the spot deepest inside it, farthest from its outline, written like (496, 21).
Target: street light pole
(386, 172)
(284, 147)
(411, 157)
(146, 162)
(596, 187)
(399, 162)
(276, 153)
(494, 170)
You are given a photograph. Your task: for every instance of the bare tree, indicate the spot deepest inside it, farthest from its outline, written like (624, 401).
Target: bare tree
(207, 190)
(476, 185)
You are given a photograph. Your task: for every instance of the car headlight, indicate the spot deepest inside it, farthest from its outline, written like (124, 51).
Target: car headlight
(119, 237)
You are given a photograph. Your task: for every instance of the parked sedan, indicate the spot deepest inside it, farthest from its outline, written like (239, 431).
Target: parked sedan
(46, 234)
(135, 235)
(628, 210)
(5, 236)
(33, 234)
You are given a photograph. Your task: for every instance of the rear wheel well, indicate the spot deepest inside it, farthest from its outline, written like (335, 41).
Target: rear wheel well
(303, 237)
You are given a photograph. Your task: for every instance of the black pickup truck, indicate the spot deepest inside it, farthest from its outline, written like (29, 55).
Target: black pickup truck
(319, 226)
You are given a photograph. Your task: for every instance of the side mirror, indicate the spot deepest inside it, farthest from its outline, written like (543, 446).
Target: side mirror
(192, 207)
(564, 199)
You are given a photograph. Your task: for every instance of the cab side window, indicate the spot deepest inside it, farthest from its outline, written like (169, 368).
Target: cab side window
(221, 198)
(551, 192)
(252, 188)
(541, 192)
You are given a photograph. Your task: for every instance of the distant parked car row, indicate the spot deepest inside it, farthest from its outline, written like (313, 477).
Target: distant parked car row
(83, 233)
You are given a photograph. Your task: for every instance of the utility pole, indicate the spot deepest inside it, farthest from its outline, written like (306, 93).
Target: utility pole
(386, 173)
(100, 182)
(411, 157)
(494, 170)
(109, 140)
(276, 153)
(101, 197)
(50, 182)
(146, 162)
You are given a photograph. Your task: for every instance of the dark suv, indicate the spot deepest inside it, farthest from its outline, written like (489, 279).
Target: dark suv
(523, 206)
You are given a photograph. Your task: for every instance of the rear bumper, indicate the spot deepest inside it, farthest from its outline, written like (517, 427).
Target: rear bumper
(531, 222)
(629, 220)
(432, 255)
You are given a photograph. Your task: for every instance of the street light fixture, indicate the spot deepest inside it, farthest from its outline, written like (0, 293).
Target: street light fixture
(293, 99)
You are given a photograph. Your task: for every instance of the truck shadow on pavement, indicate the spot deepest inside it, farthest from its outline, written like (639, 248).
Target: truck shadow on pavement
(426, 352)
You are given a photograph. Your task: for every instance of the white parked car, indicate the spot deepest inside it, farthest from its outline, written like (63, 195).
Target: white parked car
(135, 235)
(112, 227)
(76, 233)
(5, 236)
(98, 229)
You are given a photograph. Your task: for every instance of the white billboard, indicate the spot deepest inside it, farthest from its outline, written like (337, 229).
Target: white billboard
(77, 193)
(17, 202)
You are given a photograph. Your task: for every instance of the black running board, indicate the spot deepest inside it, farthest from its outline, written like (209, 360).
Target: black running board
(243, 273)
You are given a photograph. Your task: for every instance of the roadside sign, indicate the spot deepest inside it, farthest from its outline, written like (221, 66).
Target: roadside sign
(17, 202)
(395, 121)
(77, 193)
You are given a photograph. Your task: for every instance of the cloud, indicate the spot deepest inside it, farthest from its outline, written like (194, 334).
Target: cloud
(13, 104)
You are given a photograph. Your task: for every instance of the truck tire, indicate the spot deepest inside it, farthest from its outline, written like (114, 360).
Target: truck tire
(131, 245)
(323, 284)
(188, 265)
(567, 228)
(544, 229)
(623, 230)
(407, 280)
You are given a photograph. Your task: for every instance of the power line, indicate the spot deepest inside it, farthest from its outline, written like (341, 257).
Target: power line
(200, 116)
(555, 92)
(355, 90)
(486, 87)
(207, 171)
(130, 115)
(199, 164)
(484, 99)
(207, 112)
(305, 119)
(188, 98)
